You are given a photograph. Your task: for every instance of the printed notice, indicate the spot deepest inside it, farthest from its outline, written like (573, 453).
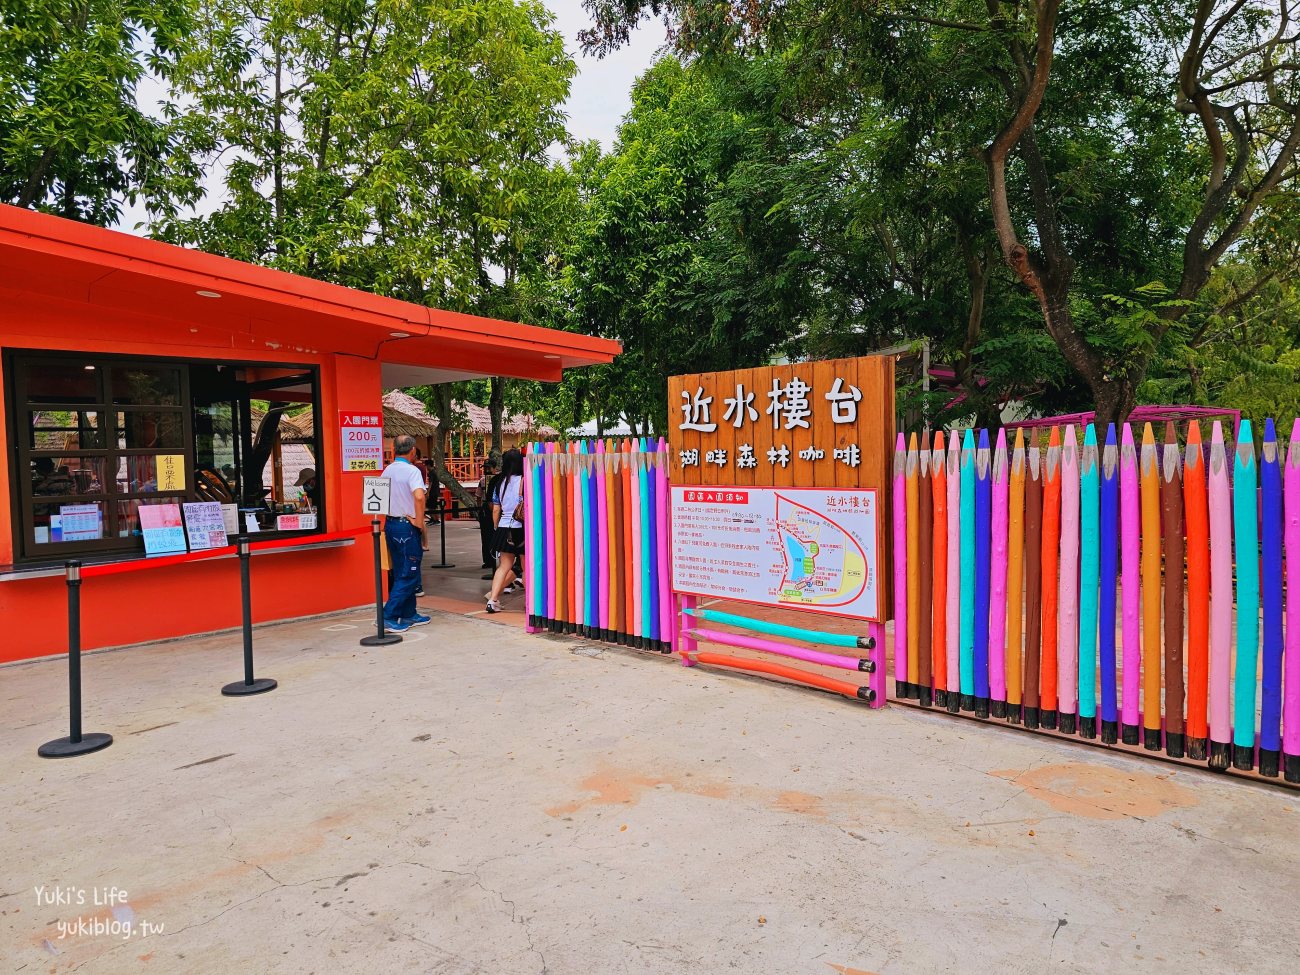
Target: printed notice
(363, 440)
(160, 524)
(798, 548)
(80, 522)
(205, 525)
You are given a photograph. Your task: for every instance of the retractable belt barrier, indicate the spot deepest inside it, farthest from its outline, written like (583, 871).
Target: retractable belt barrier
(77, 743)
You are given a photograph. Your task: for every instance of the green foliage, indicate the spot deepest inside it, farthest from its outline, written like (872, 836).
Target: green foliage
(74, 139)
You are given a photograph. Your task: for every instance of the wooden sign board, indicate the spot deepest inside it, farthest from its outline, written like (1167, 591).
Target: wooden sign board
(812, 424)
(826, 424)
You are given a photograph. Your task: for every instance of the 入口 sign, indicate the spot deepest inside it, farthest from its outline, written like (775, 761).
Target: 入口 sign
(375, 495)
(363, 440)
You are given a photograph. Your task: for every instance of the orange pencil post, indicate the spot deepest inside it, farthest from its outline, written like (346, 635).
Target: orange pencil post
(1196, 514)
(1151, 649)
(1050, 567)
(1015, 570)
(939, 572)
(912, 499)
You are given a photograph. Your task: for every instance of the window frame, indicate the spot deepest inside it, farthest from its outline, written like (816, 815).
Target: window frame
(17, 366)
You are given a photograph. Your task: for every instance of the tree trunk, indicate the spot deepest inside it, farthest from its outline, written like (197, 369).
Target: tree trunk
(441, 404)
(496, 407)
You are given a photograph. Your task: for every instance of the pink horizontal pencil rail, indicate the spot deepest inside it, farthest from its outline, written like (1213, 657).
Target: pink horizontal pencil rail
(781, 649)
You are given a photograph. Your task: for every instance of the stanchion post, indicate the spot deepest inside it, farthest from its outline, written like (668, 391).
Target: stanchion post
(248, 685)
(442, 535)
(380, 639)
(76, 743)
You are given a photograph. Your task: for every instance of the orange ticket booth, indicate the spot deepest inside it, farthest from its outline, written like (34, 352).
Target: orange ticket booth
(138, 374)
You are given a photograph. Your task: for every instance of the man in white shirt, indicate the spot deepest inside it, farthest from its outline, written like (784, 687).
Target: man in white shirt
(403, 532)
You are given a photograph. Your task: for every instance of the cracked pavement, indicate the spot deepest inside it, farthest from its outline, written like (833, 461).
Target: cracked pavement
(479, 800)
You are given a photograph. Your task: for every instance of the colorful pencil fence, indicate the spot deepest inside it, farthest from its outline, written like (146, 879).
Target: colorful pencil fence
(1134, 587)
(597, 561)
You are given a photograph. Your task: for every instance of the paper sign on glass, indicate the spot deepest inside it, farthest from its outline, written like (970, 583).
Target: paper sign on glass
(161, 526)
(205, 525)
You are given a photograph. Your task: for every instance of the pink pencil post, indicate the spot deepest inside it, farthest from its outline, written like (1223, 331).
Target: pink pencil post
(1130, 571)
(900, 568)
(661, 515)
(529, 567)
(998, 580)
(953, 619)
(1221, 602)
(1067, 631)
(548, 488)
(579, 539)
(1291, 679)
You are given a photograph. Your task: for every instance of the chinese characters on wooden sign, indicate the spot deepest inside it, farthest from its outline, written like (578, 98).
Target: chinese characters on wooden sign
(815, 424)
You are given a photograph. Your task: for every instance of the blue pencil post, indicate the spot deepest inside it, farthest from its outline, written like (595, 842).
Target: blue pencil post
(1246, 536)
(967, 629)
(1270, 720)
(983, 511)
(1108, 557)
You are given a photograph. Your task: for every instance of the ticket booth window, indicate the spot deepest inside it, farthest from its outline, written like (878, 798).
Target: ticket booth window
(99, 438)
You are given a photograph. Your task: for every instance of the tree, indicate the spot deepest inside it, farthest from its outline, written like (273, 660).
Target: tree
(74, 139)
(1121, 145)
(394, 147)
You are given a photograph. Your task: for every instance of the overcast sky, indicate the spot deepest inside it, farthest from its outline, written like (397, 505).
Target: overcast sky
(599, 98)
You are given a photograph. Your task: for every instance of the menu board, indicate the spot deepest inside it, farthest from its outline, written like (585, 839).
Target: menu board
(79, 523)
(363, 440)
(205, 525)
(160, 524)
(796, 548)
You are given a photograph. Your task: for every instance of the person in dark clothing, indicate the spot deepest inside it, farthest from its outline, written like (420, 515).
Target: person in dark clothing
(485, 527)
(310, 488)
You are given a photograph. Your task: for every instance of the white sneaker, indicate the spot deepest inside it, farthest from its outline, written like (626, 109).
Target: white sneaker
(493, 606)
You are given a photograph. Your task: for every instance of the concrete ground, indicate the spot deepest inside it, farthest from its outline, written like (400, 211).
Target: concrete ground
(479, 800)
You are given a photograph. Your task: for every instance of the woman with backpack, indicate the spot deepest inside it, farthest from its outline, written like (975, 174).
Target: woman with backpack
(507, 493)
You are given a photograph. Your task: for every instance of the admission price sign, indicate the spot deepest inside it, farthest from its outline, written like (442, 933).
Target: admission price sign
(363, 440)
(799, 548)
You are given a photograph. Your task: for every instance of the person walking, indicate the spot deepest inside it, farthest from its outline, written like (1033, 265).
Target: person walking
(507, 493)
(486, 529)
(403, 531)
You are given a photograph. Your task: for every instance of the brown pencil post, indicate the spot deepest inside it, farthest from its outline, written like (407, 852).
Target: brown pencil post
(1171, 503)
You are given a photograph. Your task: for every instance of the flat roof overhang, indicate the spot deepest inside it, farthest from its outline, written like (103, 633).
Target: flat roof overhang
(258, 308)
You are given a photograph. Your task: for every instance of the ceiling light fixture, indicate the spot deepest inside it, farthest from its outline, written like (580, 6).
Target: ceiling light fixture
(208, 294)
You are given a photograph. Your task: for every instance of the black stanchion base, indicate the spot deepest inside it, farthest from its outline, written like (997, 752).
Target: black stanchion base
(981, 707)
(1175, 744)
(1087, 727)
(1030, 716)
(240, 689)
(1291, 767)
(66, 747)
(998, 709)
(1151, 739)
(1243, 757)
(1067, 723)
(1047, 719)
(1220, 755)
(1109, 732)
(1130, 734)
(387, 640)
(441, 565)
(1196, 749)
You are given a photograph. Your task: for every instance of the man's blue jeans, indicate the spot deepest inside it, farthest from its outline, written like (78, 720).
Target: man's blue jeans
(405, 553)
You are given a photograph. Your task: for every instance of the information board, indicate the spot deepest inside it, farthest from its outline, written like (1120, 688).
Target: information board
(812, 549)
(80, 522)
(160, 524)
(363, 440)
(205, 525)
